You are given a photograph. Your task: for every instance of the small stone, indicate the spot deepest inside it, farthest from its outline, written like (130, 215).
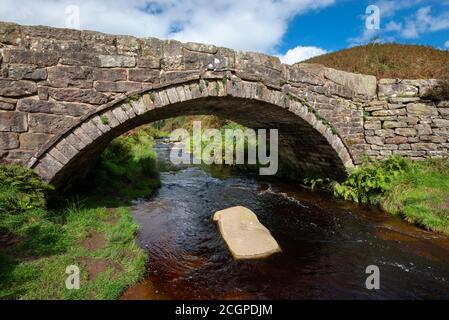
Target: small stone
(39, 59)
(393, 124)
(149, 62)
(33, 141)
(375, 140)
(21, 72)
(372, 125)
(396, 112)
(46, 123)
(6, 106)
(406, 132)
(78, 95)
(12, 88)
(109, 74)
(112, 61)
(9, 140)
(120, 86)
(12, 121)
(441, 123)
(53, 107)
(144, 75)
(421, 109)
(385, 133)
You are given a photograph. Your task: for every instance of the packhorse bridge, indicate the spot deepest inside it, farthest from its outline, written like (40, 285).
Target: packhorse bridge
(65, 94)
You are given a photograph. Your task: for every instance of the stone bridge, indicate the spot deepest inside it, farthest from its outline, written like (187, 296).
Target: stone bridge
(65, 94)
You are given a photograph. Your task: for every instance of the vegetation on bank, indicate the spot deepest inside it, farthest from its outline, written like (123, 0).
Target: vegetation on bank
(86, 228)
(127, 170)
(417, 191)
(389, 60)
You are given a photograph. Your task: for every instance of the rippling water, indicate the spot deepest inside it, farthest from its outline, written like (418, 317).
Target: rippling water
(326, 244)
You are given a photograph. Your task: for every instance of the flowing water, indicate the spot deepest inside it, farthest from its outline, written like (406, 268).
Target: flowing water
(326, 244)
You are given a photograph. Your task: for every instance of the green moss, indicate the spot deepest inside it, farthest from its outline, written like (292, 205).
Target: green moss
(104, 120)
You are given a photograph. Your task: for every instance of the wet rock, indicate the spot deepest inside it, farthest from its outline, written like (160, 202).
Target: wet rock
(245, 236)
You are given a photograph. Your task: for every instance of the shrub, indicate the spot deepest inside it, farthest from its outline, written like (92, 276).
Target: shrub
(441, 91)
(20, 190)
(366, 183)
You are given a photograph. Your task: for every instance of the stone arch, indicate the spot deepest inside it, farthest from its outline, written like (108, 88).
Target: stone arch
(253, 104)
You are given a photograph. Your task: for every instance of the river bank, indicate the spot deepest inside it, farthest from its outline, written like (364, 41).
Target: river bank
(87, 228)
(416, 191)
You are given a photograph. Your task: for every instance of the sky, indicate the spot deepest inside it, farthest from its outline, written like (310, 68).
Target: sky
(294, 30)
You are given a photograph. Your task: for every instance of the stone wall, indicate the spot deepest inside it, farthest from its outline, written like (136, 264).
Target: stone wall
(402, 122)
(53, 80)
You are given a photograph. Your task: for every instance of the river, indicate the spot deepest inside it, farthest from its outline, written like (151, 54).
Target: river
(326, 244)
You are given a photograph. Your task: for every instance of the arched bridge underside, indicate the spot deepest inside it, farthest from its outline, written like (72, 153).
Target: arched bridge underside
(306, 142)
(58, 86)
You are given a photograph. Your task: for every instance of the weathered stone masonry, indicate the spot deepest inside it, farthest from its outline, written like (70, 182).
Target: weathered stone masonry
(64, 94)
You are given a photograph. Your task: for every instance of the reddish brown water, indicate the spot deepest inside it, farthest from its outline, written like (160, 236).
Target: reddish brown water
(326, 245)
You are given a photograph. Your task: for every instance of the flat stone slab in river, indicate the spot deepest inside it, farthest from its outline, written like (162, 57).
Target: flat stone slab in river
(245, 236)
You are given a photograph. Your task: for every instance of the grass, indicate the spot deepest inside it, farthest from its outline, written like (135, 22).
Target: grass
(417, 191)
(420, 195)
(38, 242)
(389, 61)
(104, 271)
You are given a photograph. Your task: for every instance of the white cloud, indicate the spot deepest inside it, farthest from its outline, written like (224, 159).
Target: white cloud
(243, 25)
(393, 26)
(299, 54)
(388, 8)
(423, 21)
(446, 44)
(368, 35)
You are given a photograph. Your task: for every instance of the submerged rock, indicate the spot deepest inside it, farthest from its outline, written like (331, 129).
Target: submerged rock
(245, 236)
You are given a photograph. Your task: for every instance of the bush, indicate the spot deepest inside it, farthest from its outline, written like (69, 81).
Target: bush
(440, 92)
(20, 190)
(366, 183)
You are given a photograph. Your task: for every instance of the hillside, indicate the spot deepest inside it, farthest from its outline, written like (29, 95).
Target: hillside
(389, 61)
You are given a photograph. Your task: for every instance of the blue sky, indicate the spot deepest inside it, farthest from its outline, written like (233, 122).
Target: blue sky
(292, 29)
